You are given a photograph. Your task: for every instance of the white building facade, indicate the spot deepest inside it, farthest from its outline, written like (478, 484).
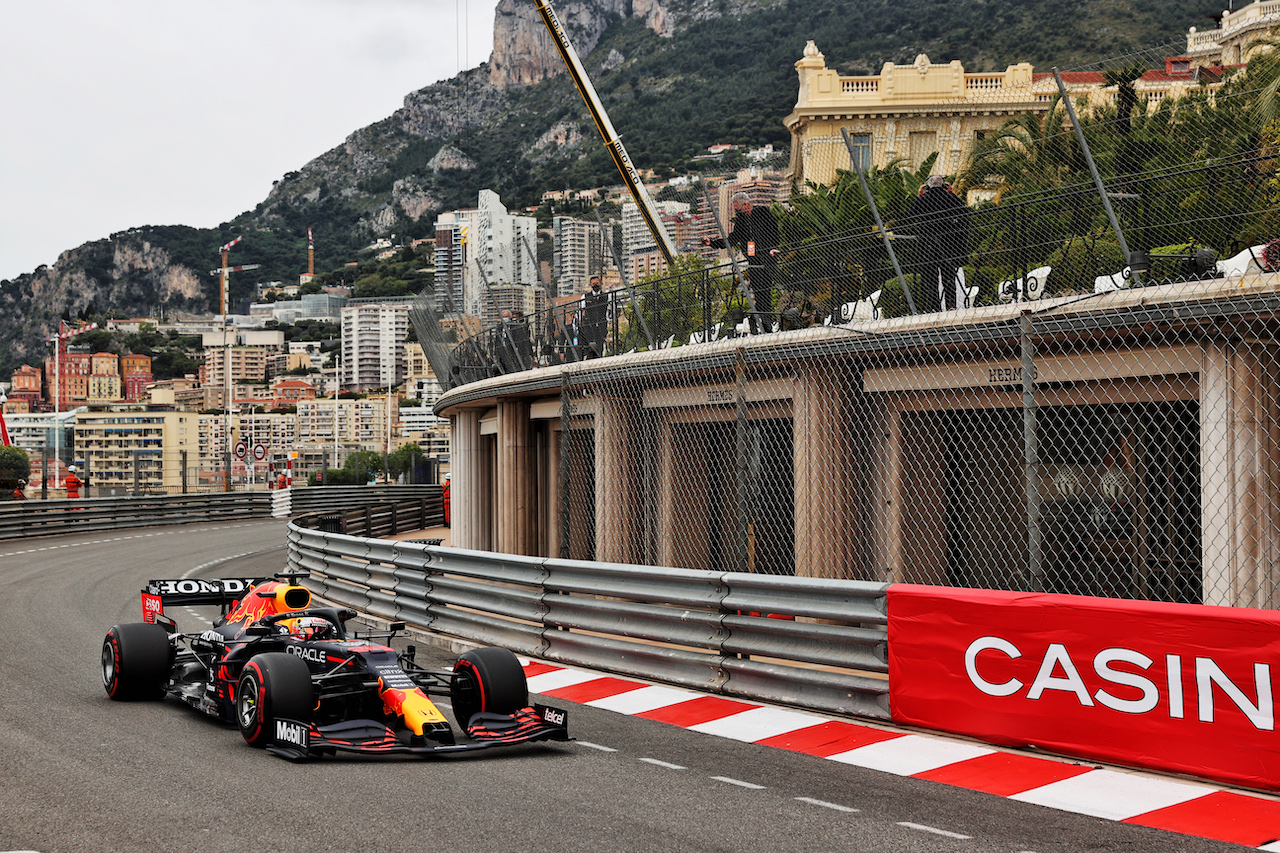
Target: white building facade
(373, 338)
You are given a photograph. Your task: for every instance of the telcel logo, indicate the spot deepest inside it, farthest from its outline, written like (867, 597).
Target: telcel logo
(1057, 671)
(292, 733)
(554, 716)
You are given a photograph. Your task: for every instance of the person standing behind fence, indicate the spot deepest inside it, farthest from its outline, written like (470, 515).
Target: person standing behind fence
(595, 319)
(755, 235)
(939, 220)
(20, 491)
(72, 483)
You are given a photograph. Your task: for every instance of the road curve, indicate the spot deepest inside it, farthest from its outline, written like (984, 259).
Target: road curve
(79, 772)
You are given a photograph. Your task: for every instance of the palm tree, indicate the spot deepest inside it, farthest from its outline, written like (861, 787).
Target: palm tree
(1027, 153)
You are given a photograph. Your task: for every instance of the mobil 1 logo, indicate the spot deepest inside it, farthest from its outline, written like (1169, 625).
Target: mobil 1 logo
(292, 733)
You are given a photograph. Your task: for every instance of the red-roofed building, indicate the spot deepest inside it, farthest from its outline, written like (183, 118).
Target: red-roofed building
(287, 392)
(135, 376)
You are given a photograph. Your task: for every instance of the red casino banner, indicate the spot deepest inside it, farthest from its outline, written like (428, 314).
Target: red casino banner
(1178, 687)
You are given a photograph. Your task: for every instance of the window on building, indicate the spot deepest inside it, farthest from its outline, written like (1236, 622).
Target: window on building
(920, 144)
(860, 153)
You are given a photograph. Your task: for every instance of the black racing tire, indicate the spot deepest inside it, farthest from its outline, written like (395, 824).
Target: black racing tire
(273, 686)
(487, 680)
(136, 660)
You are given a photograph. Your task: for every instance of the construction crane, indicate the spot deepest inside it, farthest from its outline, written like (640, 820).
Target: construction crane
(616, 150)
(225, 272)
(59, 343)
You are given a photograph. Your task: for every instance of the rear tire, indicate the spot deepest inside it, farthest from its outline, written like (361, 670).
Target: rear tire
(273, 686)
(488, 680)
(136, 659)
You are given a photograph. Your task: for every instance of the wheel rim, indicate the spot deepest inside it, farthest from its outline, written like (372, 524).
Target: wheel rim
(247, 703)
(108, 664)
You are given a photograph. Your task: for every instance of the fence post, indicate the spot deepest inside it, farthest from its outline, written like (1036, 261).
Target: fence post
(1097, 179)
(566, 416)
(856, 163)
(740, 556)
(1031, 455)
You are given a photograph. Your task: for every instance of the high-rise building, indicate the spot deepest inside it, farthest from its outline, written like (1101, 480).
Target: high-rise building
(373, 338)
(581, 250)
(480, 248)
(453, 231)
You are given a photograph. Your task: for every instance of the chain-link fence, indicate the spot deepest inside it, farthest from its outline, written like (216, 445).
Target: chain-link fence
(1051, 367)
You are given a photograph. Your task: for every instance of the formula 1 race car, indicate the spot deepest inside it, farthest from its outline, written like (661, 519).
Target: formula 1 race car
(297, 683)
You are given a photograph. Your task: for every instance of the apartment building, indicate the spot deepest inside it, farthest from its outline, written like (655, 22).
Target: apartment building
(135, 376)
(26, 385)
(373, 338)
(128, 446)
(1240, 33)
(581, 249)
(67, 378)
(512, 298)
(452, 230)
(479, 248)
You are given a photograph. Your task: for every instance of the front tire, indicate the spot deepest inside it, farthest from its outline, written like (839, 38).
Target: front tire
(273, 686)
(136, 659)
(488, 680)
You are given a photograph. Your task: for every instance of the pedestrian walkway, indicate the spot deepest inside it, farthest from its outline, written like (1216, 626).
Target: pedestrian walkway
(1145, 799)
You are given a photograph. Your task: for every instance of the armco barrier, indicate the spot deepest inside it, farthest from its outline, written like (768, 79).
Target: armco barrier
(1186, 688)
(806, 641)
(21, 519)
(372, 510)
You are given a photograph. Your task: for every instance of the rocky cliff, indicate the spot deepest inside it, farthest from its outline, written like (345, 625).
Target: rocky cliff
(675, 76)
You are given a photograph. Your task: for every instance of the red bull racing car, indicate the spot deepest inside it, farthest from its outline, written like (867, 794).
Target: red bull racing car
(297, 683)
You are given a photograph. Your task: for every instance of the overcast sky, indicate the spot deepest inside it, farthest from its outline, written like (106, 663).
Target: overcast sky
(166, 112)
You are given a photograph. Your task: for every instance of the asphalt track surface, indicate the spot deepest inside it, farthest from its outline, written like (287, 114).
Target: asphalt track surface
(79, 772)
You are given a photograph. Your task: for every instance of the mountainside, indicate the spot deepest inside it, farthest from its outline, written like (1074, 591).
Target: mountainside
(675, 76)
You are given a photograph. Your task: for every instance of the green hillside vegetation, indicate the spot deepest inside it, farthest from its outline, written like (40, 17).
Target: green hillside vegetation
(722, 80)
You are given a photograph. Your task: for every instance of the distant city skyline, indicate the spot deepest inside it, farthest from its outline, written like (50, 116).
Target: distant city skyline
(146, 112)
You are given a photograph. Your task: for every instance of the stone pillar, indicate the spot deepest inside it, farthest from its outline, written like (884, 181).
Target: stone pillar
(552, 514)
(821, 528)
(884, 449)
(684, 480)
(1238, 475)
(517, 503)
(469, 492)
(618, 497)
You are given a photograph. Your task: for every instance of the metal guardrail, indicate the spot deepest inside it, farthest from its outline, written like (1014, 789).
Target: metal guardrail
(390, 516)
(369, 510)
(326, 498)
(812, 642)
(21, 519)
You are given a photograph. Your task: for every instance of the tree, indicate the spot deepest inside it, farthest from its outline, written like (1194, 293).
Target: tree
(14, 466)
(1028, 153)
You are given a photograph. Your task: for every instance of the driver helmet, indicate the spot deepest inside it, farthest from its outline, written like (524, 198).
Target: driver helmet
(71, 468)
(309, 627)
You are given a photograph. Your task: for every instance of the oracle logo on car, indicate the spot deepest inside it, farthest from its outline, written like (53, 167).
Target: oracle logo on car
(1058, 671)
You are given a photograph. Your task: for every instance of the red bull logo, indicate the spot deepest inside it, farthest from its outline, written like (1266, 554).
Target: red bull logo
(413, 705)
(268, 599)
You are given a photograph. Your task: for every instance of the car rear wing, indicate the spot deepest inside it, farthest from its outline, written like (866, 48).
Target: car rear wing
(194, 591)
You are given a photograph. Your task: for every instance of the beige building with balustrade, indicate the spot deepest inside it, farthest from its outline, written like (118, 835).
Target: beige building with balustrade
(907, 112)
